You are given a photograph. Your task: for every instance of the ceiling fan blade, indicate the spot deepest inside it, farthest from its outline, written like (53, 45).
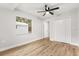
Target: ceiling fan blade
(44, 14)
(51, 13)
(54, 9)
(40, 11)
(48, 8)
(45, 7)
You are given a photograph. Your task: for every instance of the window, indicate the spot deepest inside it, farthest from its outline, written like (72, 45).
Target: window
(23, 25)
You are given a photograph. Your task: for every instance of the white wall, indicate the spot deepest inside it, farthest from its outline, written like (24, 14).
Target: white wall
(78, 24)
(8, 37)
(7, 28)
(64, 28)
(74, 27)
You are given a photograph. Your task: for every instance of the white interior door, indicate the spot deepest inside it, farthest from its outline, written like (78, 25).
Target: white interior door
(59, 28)
(46, 30)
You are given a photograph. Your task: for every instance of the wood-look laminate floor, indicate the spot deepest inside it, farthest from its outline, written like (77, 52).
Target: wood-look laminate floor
(43, 47)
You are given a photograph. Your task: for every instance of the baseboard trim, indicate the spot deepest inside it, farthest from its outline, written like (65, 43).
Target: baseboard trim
(66, 42)
(75, 44)
(18, 45)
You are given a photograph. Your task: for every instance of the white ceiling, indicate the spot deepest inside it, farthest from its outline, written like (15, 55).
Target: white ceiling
(32, 8)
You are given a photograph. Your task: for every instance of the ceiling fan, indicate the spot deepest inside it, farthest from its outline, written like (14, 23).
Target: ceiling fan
(48, 10)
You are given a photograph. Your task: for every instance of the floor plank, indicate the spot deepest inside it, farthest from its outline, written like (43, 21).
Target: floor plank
(43, 47)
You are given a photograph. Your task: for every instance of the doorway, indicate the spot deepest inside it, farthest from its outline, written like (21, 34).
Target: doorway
(46, 28)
